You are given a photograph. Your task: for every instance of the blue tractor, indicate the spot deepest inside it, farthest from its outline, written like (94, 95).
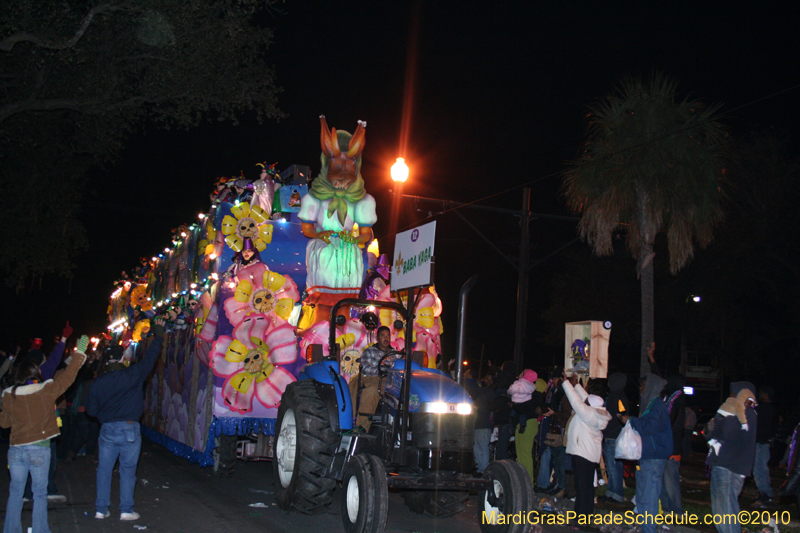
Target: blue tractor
(419, 442)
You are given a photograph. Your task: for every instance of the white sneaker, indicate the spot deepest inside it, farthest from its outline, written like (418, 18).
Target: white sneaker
(100, 515)
(129, 516)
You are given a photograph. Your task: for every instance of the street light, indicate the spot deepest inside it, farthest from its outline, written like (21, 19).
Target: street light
(400, 171)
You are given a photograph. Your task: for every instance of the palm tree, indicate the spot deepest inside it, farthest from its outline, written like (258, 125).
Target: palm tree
(651, 162)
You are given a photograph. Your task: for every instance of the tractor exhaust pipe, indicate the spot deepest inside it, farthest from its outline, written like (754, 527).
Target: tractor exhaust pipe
(462, 325)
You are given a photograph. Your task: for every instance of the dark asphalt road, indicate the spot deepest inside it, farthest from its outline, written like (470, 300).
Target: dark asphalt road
(174, 496)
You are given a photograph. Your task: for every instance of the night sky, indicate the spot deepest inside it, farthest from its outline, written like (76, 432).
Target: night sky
(498, 102)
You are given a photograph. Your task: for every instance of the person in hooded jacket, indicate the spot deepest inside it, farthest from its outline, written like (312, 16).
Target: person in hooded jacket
(732, 434)
(655, 429)
(585, 442)
(675, 401)
(616, 402)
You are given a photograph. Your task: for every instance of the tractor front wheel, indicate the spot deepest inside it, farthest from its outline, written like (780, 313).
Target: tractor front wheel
(365, 502)
(510, 493)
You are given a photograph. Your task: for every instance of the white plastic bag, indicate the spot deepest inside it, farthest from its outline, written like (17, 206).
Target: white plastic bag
(629, 444)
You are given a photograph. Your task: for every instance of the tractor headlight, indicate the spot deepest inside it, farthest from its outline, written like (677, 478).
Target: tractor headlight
(444, 408)
(436, 407)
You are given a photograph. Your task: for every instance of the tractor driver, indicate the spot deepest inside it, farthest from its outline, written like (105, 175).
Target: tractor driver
(370, 395)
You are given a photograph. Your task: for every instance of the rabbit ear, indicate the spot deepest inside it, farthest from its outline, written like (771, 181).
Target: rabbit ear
(328, 139)
(358, 140)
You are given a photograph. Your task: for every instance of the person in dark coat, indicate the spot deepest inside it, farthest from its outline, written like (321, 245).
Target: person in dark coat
(765, 412)
(116, 399)
(500, 406)
(481, 397)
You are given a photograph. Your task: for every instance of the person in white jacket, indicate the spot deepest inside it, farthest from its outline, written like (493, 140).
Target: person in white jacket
(585, 442)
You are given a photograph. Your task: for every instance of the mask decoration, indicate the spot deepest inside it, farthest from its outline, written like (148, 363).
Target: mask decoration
(350, 361)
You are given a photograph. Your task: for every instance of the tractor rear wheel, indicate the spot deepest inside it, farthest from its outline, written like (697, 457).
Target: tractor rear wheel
(304, 447)
(435, 502)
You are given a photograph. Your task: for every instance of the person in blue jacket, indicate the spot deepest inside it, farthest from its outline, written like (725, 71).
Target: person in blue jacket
(655, 429)
(117, 401)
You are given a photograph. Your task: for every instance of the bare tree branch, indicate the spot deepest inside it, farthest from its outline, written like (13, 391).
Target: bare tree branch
(7, 44)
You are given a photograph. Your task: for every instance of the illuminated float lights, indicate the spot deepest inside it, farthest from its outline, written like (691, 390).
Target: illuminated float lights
(119, 325)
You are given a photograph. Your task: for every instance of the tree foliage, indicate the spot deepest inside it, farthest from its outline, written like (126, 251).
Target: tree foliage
(651, 163)
(77, 77)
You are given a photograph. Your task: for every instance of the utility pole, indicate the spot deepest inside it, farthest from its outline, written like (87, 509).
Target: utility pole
(522, 278)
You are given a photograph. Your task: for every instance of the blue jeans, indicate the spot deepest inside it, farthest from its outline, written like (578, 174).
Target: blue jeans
(33, 459)
(614, 468)
(671, 488)
(543, 480)
(648, 485)
(725, 488)
(558, 460)
(51, 475)
(553, 459)
(761, 469)
(481, 448)
(121, 440)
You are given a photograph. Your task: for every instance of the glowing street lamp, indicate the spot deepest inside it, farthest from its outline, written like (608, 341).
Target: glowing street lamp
(400, 171)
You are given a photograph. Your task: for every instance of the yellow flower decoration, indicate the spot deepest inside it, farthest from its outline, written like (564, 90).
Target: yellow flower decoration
(247, 223)
(255, 360)
(139, 297)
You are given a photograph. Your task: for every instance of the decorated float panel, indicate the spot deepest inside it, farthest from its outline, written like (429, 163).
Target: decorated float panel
(246, 290)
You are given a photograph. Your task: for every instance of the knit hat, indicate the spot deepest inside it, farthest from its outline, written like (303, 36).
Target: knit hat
(530, 375)
(595, 401)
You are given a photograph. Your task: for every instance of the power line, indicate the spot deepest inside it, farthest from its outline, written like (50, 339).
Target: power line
(651, 141)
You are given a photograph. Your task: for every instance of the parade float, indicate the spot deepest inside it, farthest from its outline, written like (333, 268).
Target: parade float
(247, 290)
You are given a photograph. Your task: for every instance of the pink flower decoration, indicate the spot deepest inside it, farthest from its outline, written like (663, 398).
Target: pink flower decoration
(252, 362)
(261, 291)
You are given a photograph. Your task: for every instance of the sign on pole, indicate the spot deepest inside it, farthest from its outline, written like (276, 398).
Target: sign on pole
(412, 265)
